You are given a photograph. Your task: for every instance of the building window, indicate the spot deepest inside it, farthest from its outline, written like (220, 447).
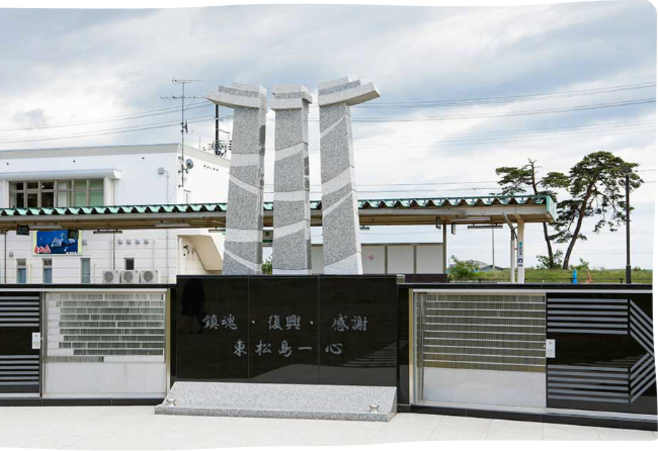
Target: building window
(130, 264)
(85, 270)
(56, 193)
(47, 270)
(21, 270)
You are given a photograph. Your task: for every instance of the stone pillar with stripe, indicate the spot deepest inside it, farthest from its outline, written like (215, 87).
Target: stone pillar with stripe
(340, 216)
(243, 247)
(291, 247)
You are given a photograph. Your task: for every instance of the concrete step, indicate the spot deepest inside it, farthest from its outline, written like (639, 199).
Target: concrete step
(300, 401)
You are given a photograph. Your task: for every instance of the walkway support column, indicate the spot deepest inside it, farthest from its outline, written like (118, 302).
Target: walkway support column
(512, 255)
(520, 252)
(340, 217)
(243, 249)
(291, 247)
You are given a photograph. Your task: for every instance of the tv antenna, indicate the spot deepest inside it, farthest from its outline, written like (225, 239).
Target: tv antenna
(184, 167)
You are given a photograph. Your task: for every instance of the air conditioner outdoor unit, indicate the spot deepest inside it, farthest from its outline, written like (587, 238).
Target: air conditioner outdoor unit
(149, 276)
(111, 276)
(130, 276)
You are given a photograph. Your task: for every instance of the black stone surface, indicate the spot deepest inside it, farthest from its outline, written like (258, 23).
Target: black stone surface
(336, 330)
(17, 341)
(212, 316)
(598, 350)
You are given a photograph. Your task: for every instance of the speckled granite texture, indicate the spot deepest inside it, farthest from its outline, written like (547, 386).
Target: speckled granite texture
(331, 402)
(291, 247)
(243, 249)
(340, 217)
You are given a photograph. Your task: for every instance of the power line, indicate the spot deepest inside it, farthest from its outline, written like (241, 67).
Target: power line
(403, 104)
(130, 116)
(510, 99)
(413, 190)
(126, 129)
(570, 109)
(420, 183)
(515, 132)
(509, 113)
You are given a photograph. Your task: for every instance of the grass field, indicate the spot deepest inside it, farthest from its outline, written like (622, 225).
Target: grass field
(564, 276)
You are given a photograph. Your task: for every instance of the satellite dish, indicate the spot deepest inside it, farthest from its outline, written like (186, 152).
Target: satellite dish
(189, 164)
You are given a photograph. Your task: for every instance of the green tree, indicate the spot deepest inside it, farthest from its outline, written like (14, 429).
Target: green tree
(463, 269)
(582, 266)
(518, 180)
(266, 267)
(596, 190)
(546, 263)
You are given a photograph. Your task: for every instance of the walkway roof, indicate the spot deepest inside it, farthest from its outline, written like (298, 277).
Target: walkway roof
(416, 211)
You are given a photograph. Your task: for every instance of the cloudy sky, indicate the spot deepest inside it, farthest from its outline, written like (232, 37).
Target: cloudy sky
(578, 77)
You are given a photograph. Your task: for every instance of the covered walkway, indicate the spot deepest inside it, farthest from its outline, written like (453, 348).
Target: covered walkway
(440, 212)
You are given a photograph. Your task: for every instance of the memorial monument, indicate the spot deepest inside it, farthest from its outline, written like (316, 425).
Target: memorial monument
(300, 346)
(291, 247)
(243, 248)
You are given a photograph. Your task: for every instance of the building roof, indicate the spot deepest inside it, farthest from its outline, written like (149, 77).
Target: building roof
(414, 211)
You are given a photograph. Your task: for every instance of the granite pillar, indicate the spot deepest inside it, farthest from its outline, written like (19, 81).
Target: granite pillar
(340, 216)
(243, 247)
(291, 247)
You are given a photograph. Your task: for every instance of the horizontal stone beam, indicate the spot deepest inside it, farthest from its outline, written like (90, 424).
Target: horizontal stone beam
(344, 90)
(290, 97)
(239, 95)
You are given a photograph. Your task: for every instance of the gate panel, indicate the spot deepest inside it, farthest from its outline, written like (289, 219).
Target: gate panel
(20, 373)
(480, 349)
(604, 353)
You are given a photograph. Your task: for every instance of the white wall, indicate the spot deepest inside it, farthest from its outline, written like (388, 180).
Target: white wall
(139, 183)
(483, 388)
(392, 258)
(208, 180)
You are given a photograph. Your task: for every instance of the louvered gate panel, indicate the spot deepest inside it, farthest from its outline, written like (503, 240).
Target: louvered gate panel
(20, 368)
(103, 327)
(484, 332)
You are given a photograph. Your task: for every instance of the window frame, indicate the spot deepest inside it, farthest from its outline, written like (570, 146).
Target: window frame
(47, 266)
(21, 266)
(69, 191)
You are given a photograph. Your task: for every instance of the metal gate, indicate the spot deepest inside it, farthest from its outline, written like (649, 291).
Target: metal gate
(20, 343)
(479, 349)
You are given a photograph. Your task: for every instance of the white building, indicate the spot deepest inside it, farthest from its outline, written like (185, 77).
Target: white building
(121, 175)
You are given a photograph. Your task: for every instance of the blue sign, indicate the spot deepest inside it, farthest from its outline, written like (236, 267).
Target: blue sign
(55, 242)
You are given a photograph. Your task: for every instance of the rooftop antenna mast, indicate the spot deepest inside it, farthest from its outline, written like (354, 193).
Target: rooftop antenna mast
(183, 124)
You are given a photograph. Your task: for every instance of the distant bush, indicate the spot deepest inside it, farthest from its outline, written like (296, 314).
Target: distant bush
(463, 270)
(266, 267)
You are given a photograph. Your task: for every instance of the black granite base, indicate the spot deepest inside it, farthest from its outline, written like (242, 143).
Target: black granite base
(319, 329)
(575, 420)
(7, 402)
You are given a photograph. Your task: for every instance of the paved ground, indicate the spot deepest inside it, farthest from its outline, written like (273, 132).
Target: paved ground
(138, 428)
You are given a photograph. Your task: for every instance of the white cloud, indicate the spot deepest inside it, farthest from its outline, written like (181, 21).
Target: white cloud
(88, 65)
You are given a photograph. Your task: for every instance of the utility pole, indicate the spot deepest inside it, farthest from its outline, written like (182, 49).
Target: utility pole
(183, 124)
(628, 225)
(216, 129)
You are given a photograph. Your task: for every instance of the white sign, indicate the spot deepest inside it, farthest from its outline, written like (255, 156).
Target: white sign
(550, 349)
(36, 340)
